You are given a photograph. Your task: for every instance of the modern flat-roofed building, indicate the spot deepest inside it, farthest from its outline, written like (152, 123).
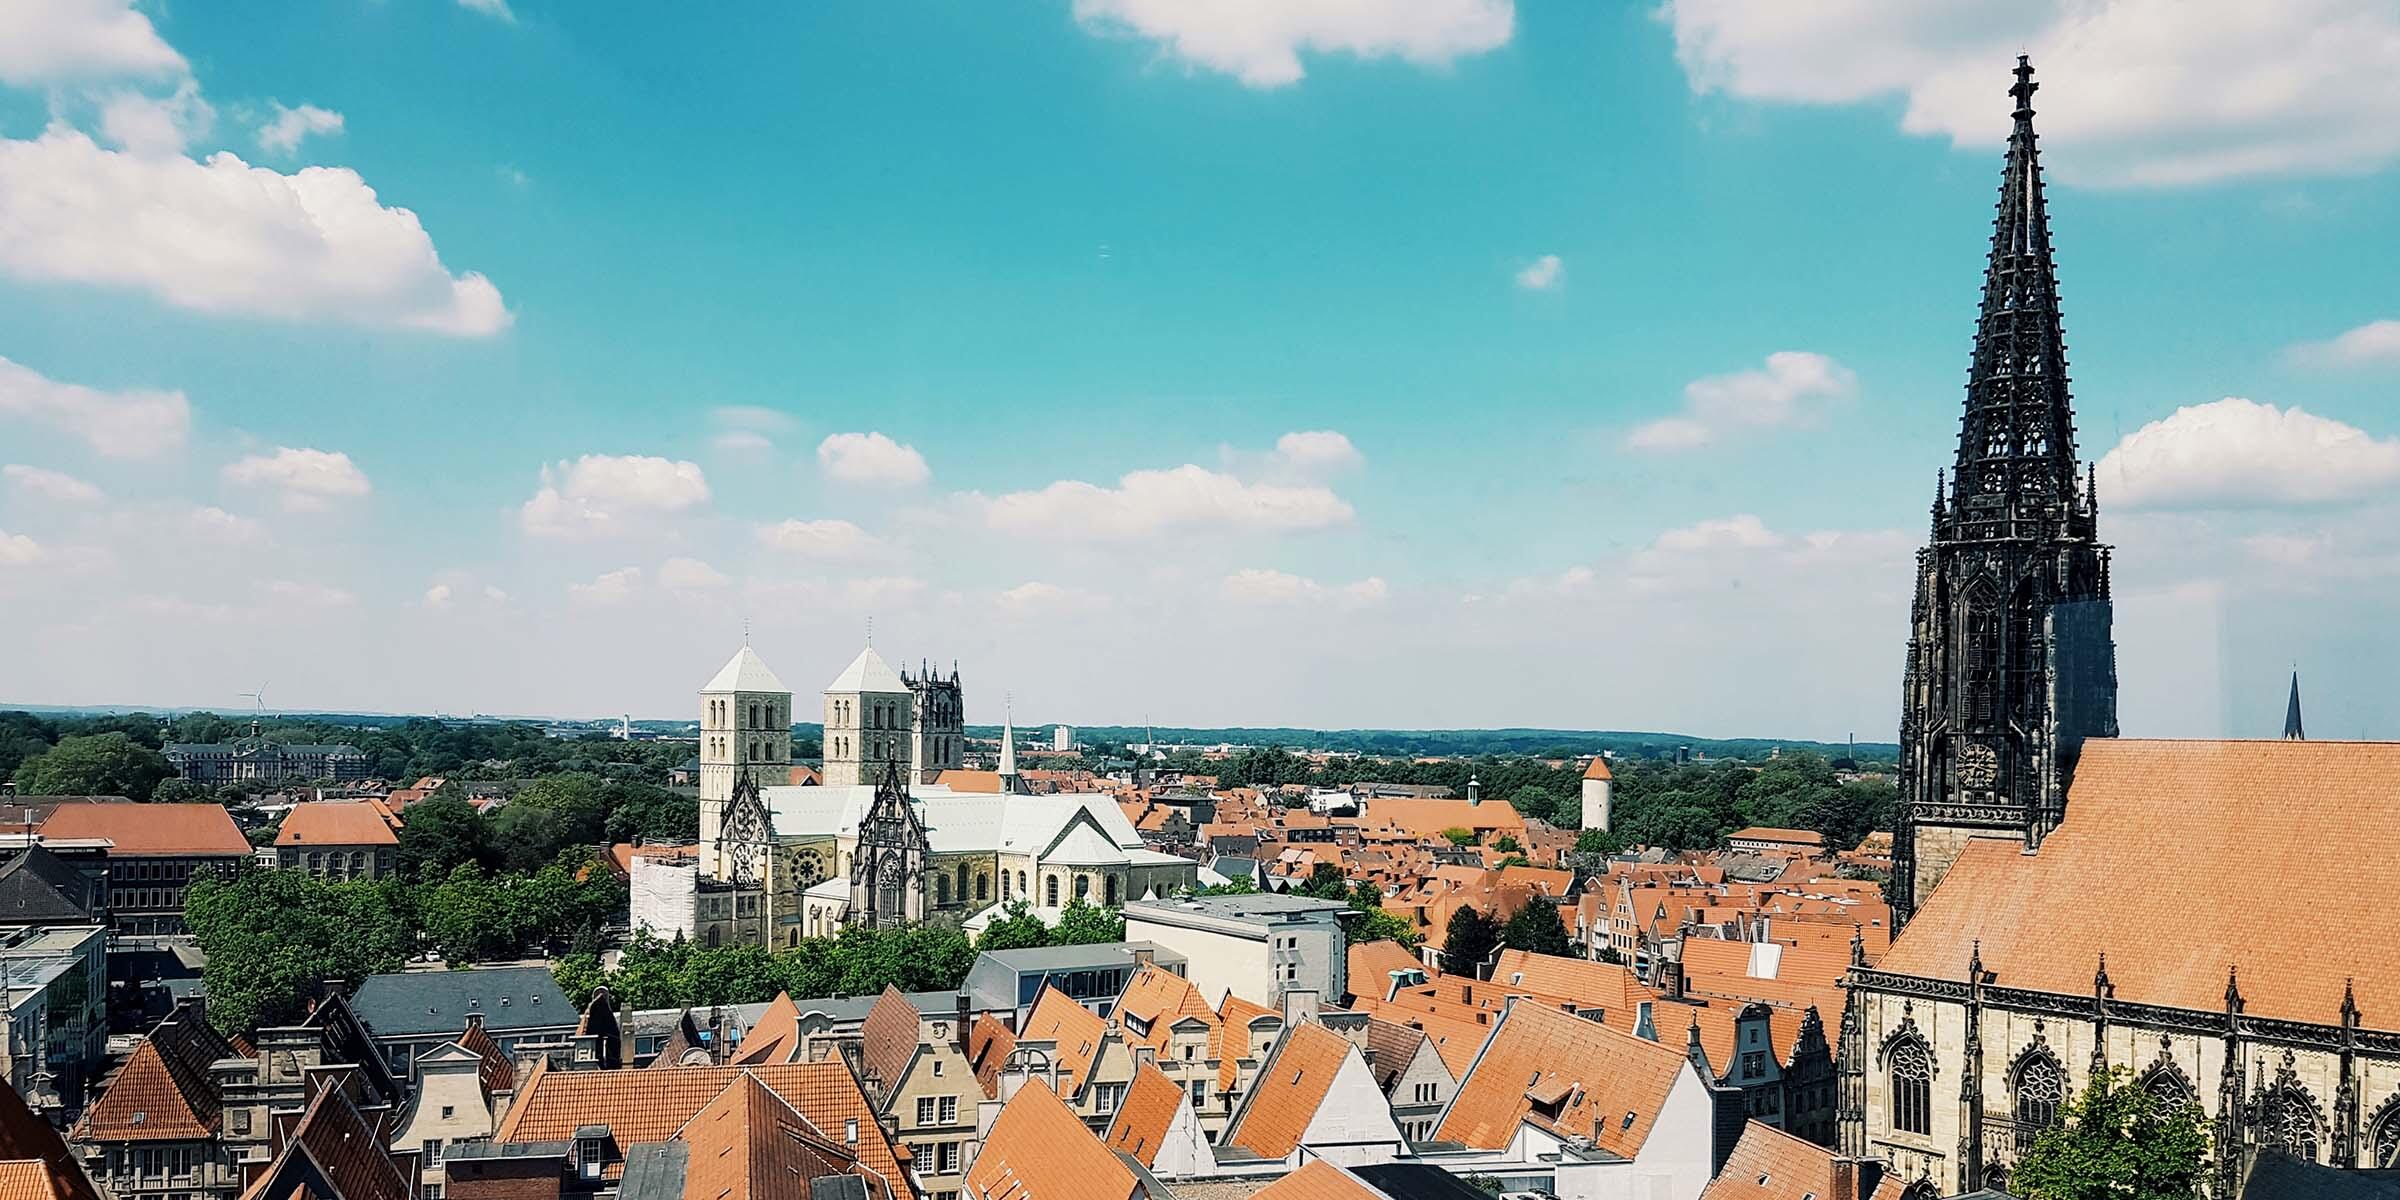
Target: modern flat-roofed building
(56, 987)
(1007, 982)
(1256, 947)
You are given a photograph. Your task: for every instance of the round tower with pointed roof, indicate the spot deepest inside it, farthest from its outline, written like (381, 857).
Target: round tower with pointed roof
(745, 729)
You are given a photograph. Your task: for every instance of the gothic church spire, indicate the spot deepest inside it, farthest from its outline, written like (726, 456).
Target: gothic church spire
(2292, 730)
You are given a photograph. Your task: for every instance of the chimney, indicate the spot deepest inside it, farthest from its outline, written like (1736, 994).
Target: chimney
(1299, 1004)
(1143, 955)
(960, 1027)
(1845, 1180)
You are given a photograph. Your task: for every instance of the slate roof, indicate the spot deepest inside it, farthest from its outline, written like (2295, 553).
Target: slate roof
(2177, 903)
(38, 887)
(411, 1004)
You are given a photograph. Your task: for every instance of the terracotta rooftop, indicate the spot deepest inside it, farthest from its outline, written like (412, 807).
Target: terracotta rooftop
(1598, 769)
(163, 1092)
(1769, 1164)
(497, 1073)
(1768, 833)
(337, 823)
(1613, 989)
(749, 1143)
(151, 829)
(1319, 1180)
(1290, 1089)
(989, 1044)
(341, 1147)
(775, 1036)
(1078, 1031)
(1040, 1150)
(2178, 861)
(1140, 1125)
(35, 1163)
(888, 1038)
(1609, 1085)
(1391, 1047)
(649, 1106)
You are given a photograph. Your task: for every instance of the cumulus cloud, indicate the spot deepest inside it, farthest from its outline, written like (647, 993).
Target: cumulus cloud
(129, 424)
(1145, 503)
(208, 523)
(2151, 92)
(283, 133)
(871, 458)
(611, 587)
(2236, 453)
(1790, 389)
(606, 495)
(47, 484)
(1260, 42)
(48, 42)
(149, 125)
(690, 575)
(1258, 585)
(437, 596)
(223, 236)
(1544, 274)
(828, 538)
(2374, 344)
(18, 550)
(304, 479)
(1316, 452)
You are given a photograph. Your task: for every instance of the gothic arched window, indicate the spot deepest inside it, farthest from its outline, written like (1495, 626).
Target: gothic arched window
(941, 889)
(1911, 1087)
(1982, 644)
(2040, 1088)
(2167, 1088)
(962, 881)
(1050, 889)
(2383, 1139)
(2288, 1118)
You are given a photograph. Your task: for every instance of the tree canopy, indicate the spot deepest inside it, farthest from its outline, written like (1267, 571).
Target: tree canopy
(1536, 928)
(1469, 940)
(2116, 1141)
(93, 764)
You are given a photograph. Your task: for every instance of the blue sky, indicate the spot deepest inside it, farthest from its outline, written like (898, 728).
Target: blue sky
(1621, 342)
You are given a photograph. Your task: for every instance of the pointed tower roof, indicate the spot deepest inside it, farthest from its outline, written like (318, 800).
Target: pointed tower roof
(2292, 730)
(1008, 746)
(2016, 441)
(745, 672)
(867, 673)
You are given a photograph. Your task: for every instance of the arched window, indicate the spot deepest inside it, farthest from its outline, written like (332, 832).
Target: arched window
(1050, 888)
(941, 889)
(962, 881)
(2040, 1088)
(2167, 1088)
(1083, 887)
(2384, 1136)
(983, 886)
(1112, 891)
(1022, 888)
(1004, 885)
(2288, 1119)
(1911, 1087)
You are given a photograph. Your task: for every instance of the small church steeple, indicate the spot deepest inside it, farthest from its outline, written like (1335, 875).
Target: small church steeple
(2292, 730)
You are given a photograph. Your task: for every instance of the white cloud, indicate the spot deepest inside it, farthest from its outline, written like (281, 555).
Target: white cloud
(1257, 585)
(2237, 453)
(154, 126)
(2376, 343)
(871, 458)
(605, 495)
(1145, 503)
(1743, 531)
(49, 485)
(749, 428)
(2147, 92)
(1035, 596)
(209, 523)
(309, 594)
(1547, 273)
(226, 237)
(1789, 390)
(290, 126)
(1317, 452)
(306, 479)
(1260, 41)
(690, 575)
(49, 42)
(872, 594)
(130, 424)
(828, 538)
(437, 596)
(495, 9)
(742, 441)
(18, 550)
(611, 587)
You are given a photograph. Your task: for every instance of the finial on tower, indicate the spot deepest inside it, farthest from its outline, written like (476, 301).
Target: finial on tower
(870, 631)
(2025, 87)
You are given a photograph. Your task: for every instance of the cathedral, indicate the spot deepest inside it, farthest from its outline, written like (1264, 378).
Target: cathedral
(899, 831)
(2071, 902)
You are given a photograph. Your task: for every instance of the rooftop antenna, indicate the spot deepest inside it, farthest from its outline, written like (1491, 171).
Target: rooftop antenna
(870, 631)
(745, 631)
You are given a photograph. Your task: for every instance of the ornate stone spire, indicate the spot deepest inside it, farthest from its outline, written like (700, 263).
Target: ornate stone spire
(2292, 729)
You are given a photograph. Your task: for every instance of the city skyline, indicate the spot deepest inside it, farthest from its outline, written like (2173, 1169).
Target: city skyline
(1076, 337)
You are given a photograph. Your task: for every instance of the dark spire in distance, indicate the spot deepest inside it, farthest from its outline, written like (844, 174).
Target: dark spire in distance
(2292, 731)
(2016, 440)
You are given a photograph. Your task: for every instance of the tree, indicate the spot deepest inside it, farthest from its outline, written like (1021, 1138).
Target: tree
(1535, 928)
(525, 836)
(1326, 882)
(1598, 841)
(2116, 1142)
(179, 791)
(1015, 929)
(271, 936)
(1082, 923)
(1469, 941)
(441, 833)
(99, 764)
(467, 915)
(1459, 837)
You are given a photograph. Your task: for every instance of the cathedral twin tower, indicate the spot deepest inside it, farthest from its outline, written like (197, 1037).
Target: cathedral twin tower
(2010, 659)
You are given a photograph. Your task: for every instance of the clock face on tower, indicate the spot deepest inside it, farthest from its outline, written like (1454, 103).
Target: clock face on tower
(1978, 766)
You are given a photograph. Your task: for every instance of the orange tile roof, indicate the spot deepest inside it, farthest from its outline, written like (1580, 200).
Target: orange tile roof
(1607, 1078)
(336, 823)
(1078, 1031)
(775, 1036)
(1291, 1087)
(1040, 1150)
(1587, 983)
(1140, 1125)
(150, 829)
(1428, 818)
(889, 1037)
(35, 1163)
(1319, 1180)
(496, 1072)
(1598, 769)
(2174, 906)
(1768, 833)
(344, 1148)
(1792, 975)
(649, 1106)
(1457, 1037)
(1236, 1020)
(981, 782)
(989, 1044)
(1375, 961)
(1769, 1164)
(749, 1143)
(163, 1092)
(1153, 1001)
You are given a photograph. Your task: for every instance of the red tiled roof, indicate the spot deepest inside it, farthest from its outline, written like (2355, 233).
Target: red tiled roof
(1040, 1150)
(1607, 1077)
(150, 829)
(989, 1044)
(1373, 963)
(1319, 1180)
(888, 1038)
(1765, 833)
(347, 1151)
(496, 1072)
(2176, 905)
(1078, 1031)
(337, 823)
(749, 1143)
(1769, 1164)
(1598, 769)
(1140, 1125)
(775, 1036)
(163, 1092)
(1290, 1089)
(35, 1163)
